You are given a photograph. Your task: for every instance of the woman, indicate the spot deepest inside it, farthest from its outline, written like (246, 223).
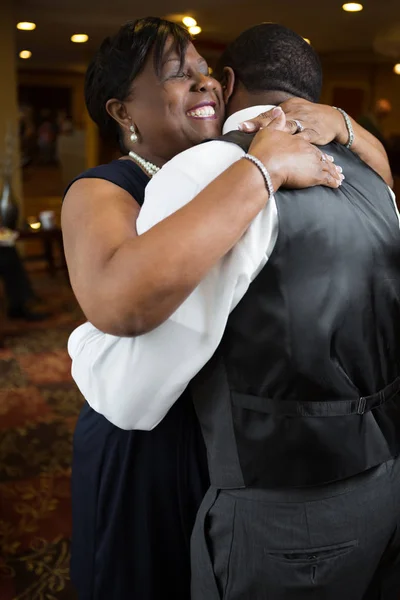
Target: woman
(135, 494)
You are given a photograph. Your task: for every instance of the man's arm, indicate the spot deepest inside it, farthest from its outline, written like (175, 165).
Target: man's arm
(133, 382)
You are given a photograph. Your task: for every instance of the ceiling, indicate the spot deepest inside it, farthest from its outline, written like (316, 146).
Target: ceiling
(331, 30)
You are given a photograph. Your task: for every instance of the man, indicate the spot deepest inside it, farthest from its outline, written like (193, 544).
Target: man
(298, 404)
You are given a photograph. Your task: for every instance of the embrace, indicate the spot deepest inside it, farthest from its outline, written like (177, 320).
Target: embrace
(241, 360)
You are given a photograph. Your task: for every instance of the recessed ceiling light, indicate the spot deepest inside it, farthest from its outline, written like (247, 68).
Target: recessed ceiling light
(396, 69)
(194, 30)
(189, 21)
(79, 38)
(26, 26)
(352, 7)
(307, 40)
(25, 54)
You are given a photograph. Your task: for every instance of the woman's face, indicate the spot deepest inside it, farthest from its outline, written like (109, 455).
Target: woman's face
(176, 110)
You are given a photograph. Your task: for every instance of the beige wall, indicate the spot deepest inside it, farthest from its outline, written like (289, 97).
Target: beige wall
(8, 86)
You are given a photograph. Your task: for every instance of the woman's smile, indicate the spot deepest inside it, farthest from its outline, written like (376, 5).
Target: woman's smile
(203, 110)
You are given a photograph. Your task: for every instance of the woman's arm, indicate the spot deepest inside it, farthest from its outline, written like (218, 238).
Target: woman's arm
(128, 284)
(324, 124)
(371, 151)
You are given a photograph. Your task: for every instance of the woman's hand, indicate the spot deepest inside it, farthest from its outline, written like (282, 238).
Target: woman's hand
(272, 119)
(293, 162)
(321, 124)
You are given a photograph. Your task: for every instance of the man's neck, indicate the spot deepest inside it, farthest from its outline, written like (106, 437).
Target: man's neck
(244, 99)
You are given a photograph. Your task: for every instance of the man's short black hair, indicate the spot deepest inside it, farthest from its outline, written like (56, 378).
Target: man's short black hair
(271, 57)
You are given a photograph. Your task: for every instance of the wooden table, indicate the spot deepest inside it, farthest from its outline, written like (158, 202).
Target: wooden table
(50, 239)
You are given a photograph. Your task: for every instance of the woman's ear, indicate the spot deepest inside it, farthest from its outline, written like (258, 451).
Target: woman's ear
(117, 110)
(228, 83)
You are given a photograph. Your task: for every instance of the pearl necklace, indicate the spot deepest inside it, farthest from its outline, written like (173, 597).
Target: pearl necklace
(146, 165)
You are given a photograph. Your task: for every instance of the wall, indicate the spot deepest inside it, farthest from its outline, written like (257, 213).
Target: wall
(8, 94)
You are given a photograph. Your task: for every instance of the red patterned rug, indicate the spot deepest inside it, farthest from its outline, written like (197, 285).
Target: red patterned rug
(39, 404)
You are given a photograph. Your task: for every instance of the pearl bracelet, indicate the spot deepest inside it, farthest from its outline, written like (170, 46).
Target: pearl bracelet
(349, 126)
(264, 172)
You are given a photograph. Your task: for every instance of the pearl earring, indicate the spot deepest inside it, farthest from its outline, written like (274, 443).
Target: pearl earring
(134, 137)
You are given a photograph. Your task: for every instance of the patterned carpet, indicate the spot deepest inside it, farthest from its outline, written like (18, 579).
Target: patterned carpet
(39, 405)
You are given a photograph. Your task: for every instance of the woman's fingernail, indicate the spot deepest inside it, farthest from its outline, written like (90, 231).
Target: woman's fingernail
(339, 169)
(277, 111)
(330, 158)
(247, 126)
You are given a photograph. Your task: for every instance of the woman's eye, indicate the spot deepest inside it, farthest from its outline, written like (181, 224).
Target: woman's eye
(181, 75)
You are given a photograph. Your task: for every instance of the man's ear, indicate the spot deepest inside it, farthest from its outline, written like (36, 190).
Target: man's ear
(228, 83)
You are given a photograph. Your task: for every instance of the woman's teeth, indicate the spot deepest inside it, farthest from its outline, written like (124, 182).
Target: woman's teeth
(204, 111)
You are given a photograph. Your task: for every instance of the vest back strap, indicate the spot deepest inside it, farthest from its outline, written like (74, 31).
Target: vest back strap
(334, 408)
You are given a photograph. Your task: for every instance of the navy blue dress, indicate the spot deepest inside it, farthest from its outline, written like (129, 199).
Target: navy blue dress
(135, 494)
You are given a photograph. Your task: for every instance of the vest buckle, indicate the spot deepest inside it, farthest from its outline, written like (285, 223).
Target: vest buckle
(362, 403)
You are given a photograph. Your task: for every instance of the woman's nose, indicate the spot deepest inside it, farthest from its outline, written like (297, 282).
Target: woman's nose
(205, 83)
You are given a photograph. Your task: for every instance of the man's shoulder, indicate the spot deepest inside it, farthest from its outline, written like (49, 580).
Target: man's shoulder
(214, 155)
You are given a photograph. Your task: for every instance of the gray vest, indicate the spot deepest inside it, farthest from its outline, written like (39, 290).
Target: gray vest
(304, 387)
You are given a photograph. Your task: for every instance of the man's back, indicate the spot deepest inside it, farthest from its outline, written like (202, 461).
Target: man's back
(316, 334)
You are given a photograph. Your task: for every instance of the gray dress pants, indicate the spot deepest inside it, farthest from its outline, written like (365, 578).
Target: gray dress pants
(340, 541)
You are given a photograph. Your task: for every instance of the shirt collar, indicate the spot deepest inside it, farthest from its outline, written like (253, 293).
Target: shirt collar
(245, 114)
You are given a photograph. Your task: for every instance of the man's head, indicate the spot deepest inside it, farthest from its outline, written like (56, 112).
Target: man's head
(268, 64)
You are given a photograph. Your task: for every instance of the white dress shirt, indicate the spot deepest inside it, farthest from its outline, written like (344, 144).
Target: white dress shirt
(133, 382)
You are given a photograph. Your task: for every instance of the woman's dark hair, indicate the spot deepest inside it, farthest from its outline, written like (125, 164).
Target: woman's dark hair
(271, 57)
(120, 59)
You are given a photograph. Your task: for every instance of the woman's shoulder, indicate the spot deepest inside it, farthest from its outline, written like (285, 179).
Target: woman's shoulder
(116, 168)
(124, 173)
